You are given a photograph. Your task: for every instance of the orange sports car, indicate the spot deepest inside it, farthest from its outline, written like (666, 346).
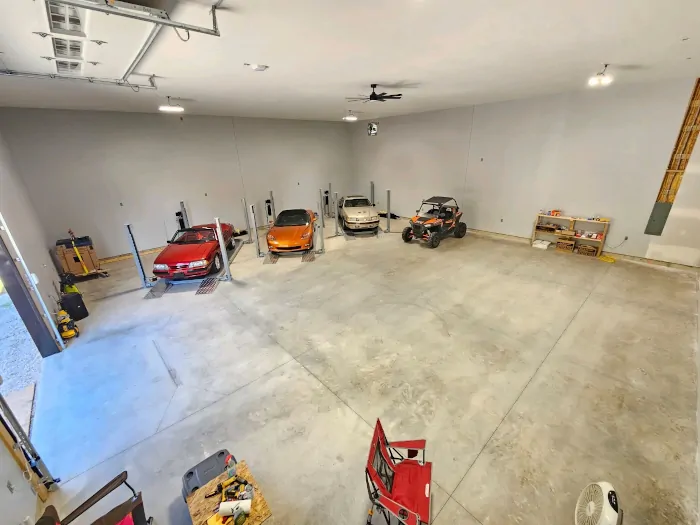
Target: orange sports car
(292, 231)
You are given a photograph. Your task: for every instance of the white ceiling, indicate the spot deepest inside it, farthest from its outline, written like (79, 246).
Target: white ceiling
(449, 52)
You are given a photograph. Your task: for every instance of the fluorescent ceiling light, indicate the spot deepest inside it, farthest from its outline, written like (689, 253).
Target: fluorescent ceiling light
(169, 108)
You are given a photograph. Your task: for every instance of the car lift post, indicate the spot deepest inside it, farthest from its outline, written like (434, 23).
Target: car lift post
(224, 252)
(371, 192)
(322, 208)
(145, 283)
(321, 246)
(255, 225)
(272, 206)
(337, 214)
(331, 208)
(185, 218)
(247, 221)
(388, 211)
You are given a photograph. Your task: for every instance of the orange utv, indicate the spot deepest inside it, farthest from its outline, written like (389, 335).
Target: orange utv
(437, 218)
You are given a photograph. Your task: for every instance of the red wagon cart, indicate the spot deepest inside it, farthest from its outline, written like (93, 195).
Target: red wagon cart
(397, 482)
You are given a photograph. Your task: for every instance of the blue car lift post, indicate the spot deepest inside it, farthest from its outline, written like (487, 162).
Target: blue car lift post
(224, 275)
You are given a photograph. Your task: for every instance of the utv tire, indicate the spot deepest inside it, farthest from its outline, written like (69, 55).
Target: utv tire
(217, 264)
(434, 240)
(407, 234)
(461, 230)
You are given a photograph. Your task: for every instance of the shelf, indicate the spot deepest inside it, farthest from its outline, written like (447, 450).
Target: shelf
(569, 236)
(575, 219)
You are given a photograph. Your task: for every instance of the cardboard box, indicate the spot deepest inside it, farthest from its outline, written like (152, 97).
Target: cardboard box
(70, 262)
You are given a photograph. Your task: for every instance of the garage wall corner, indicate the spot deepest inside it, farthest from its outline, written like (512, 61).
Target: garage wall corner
(25, 226)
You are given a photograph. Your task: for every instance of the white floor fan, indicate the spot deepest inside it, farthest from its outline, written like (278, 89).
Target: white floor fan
(598, 505)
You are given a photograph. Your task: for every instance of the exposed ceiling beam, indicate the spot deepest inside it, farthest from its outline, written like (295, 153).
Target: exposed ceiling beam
(144, 14)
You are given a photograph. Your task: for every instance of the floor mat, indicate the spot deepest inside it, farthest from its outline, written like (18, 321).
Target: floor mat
(308, 257)
(271, 258)
(158, 290)
(207, 286)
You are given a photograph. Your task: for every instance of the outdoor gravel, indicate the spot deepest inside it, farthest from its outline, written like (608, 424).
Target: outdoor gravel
(20, 362)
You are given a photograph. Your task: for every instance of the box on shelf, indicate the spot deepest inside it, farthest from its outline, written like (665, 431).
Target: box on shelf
(565, 245)
(585, 249)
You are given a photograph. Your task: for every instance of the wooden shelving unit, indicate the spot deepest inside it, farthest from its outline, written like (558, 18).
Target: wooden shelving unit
(597, 243)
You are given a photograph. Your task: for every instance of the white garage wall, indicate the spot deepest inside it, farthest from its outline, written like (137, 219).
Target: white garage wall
(25, 226)
(416, 156)
(588, 152)
(95, 171)
(294, 159)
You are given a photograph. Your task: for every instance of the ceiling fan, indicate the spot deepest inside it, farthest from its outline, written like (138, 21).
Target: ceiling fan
(379, 97)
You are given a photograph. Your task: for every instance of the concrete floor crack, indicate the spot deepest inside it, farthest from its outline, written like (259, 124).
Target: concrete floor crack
(522, 391)
(171, 371)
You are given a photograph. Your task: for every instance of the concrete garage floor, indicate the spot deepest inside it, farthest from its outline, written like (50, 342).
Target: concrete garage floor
(530, 373)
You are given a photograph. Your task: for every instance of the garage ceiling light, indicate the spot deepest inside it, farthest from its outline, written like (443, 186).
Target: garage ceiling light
(170, 108)
(257, 67)
(601, 79)
(350, 117)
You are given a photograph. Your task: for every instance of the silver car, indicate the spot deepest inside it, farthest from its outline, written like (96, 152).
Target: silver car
(357, 213)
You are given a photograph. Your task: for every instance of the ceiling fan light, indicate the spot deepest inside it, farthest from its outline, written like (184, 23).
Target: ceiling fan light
(350, 118)
(606, 80)
(594, 81)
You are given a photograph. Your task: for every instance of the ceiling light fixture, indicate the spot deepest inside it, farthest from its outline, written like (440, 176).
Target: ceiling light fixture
(350, 117)
(177, 108)
(601, 79)
(257, 67)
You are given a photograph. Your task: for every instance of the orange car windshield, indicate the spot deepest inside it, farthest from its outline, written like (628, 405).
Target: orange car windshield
(292, 219)
(192, 236)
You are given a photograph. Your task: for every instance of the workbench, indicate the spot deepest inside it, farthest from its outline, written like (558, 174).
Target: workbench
(201, 508)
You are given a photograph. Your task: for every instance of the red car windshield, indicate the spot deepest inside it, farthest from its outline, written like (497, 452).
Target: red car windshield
(193, 236)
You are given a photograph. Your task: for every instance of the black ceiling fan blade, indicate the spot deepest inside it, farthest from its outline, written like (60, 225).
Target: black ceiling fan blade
(381, 94)
(394, 97)
(356, 99)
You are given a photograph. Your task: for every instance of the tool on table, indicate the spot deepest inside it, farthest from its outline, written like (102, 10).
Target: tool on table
(221, 487)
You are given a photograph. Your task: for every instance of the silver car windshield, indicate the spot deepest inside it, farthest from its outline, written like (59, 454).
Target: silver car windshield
(356, 203)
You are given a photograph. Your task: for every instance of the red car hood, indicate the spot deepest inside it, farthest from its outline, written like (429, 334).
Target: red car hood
(185, 253)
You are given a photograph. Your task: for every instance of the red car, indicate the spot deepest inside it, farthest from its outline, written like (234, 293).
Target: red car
(193, 252)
